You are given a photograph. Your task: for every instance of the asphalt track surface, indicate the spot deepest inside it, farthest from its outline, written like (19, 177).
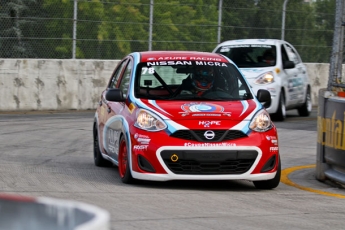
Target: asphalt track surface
(49, 154)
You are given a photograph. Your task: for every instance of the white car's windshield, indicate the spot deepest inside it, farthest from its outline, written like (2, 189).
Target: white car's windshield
(190, 80)
(250, 55)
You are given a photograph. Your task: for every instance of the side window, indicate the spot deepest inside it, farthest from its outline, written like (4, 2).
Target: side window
(126, 77)
(116, 74)
(284, 54)
(293, 56)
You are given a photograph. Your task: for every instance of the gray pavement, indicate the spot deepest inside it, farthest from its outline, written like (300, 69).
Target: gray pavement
(50, 155)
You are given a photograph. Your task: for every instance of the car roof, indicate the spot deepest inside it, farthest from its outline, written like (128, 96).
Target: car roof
(146, 56)
(252, 41)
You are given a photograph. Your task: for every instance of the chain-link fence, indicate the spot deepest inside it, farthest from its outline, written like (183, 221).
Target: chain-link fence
(110, 29)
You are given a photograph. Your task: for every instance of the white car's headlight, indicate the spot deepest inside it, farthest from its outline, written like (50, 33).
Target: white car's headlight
(261, 122)
(265, 78)
(149, 121)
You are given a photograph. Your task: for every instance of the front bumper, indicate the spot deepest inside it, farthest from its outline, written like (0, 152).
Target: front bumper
(205, 174)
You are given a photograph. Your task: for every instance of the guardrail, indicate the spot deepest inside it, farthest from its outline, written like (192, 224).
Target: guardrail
(29, 213)
(63, 84)
(330, 159)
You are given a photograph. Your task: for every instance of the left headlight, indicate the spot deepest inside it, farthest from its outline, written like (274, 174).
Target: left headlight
(261, 122)
(149, 121)
(265, 78)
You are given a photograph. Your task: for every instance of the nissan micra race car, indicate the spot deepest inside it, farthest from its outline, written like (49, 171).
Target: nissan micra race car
(177, 115)
(276, 66)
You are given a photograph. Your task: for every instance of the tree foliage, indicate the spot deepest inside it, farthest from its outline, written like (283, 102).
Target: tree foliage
(110, 29)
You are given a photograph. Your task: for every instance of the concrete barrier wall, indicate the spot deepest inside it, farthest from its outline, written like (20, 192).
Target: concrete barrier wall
(50, 84)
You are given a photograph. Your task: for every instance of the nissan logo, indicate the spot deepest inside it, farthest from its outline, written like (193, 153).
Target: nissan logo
(209, 134)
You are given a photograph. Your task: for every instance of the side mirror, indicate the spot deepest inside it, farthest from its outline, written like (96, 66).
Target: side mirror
(114, 95)
(288, 65)
(264, 96)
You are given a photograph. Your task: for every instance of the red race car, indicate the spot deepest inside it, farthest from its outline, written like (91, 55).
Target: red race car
(182, 115)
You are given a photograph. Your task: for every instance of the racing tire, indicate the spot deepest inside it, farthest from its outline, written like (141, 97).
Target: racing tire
(97, 156)
(280, 115)
(305, 109)
(272, 183)
(124, 167)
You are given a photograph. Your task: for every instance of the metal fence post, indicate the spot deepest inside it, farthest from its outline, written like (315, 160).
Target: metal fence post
(74, 43)
(151, 24)
(335, 70)
(283, 19)
(219, 20)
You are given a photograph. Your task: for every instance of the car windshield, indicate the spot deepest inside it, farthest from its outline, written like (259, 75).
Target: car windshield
(190, 80)
(249, 56)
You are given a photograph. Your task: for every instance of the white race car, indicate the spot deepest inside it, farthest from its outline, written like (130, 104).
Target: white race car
(276, 66)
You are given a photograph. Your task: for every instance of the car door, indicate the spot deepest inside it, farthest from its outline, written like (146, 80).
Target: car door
(118, 113)
(301, 73)
(103, 114)
(292, 78)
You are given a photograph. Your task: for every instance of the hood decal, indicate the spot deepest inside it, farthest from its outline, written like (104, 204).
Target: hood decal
(202, 107)
(153, 102)
(144, 106)
(172, 125)
(245, 106)
(244, 124)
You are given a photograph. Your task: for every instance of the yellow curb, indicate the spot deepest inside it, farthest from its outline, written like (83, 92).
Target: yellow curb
(285, 179)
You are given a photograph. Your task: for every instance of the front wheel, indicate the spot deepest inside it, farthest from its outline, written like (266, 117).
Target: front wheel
(305, 109)
(124, 167)
(272, 183)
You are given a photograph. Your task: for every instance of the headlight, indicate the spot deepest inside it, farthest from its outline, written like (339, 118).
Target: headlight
(261, 122)
(265, 78)
(148, 121)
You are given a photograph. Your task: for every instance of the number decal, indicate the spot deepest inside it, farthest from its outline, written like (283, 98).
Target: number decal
(147, 70)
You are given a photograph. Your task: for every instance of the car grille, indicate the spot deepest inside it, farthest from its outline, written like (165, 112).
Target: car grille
(203, 162)
(198, 135)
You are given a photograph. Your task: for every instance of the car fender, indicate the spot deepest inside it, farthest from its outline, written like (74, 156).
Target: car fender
(113, 129)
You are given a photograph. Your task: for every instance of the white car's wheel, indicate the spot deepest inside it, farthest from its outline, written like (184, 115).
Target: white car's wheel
(280, 115)
(306, 108)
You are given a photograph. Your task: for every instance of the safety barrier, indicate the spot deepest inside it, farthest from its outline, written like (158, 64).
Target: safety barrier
(63, 84)
(330, 159)
(29, 213)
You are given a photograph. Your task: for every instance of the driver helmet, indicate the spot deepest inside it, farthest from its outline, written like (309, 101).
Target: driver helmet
(269, 57)
(203, 78)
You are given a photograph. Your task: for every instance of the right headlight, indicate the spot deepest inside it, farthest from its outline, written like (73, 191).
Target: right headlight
(265, 78)
(261, 122)
(148, 121)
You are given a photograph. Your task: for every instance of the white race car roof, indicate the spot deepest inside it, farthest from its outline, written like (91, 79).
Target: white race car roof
(252, 41)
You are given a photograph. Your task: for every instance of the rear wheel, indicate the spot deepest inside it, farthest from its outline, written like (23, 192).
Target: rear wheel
(305, 109)
(280, 115)
(97, 156)
(272, 183)
(124, 168)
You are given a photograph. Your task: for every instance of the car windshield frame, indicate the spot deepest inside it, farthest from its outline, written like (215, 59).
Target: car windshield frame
(250, 55)
(166, 80)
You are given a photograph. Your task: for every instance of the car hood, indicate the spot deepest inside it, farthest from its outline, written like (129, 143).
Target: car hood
(206, 110)
(251, 73)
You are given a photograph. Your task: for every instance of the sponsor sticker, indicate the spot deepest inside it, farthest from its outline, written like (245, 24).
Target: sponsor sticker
(274, 149)
(203, 109)
(207, 124)
(189, 144)
(140, 147)
(131, 107)
(185, 58)
(113, 137)
(207, 63)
